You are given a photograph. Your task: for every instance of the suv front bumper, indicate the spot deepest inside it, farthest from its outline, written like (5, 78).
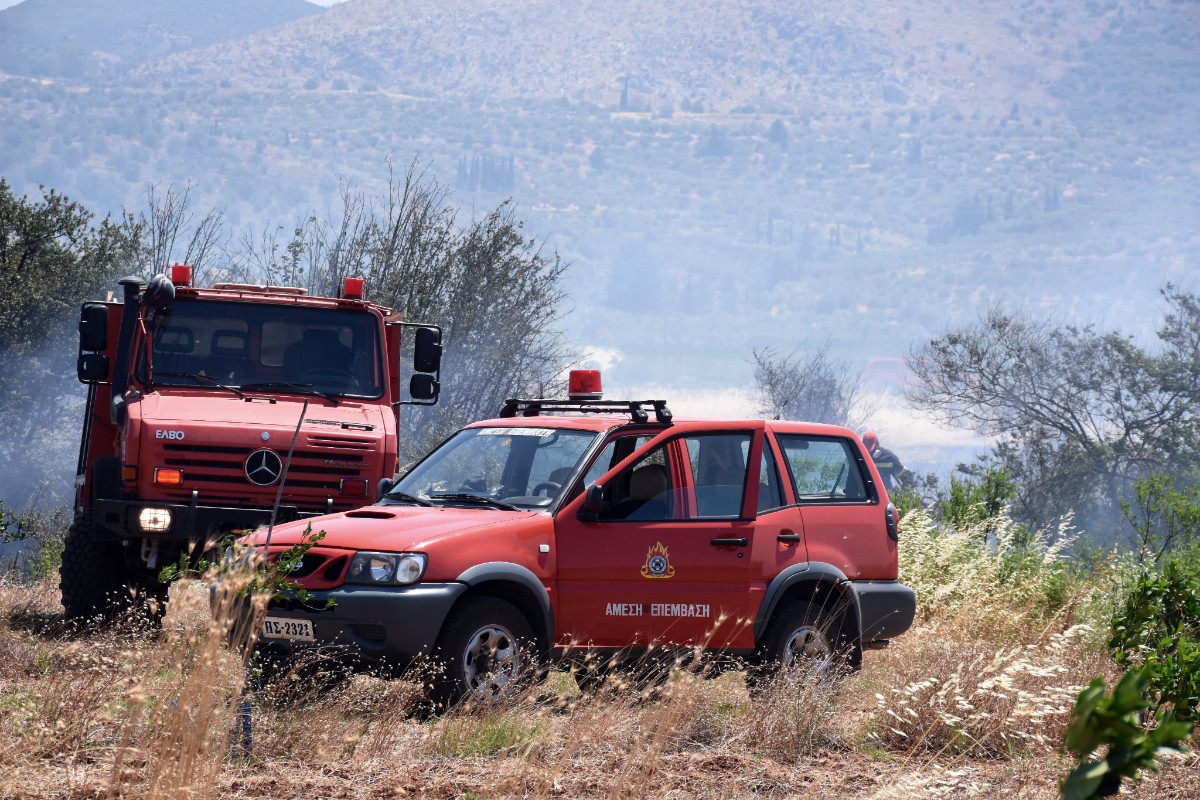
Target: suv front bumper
(375, 625)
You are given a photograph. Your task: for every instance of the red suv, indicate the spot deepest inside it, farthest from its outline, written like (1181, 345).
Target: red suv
(580, 526)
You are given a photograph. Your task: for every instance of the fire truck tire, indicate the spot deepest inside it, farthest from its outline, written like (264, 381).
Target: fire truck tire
(486, 651)
(92, 574)
(804, 640)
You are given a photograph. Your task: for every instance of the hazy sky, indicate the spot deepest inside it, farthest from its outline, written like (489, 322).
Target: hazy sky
(7, 3)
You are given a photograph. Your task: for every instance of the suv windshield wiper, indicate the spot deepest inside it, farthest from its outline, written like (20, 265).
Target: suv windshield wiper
(198, 379)
(302, 388)
(396, 494)
(467, 497)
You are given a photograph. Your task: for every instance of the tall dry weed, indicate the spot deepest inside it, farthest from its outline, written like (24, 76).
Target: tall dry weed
(950, 696)
(996, 578)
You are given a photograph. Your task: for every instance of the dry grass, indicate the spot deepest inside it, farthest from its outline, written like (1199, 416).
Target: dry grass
(127, 713)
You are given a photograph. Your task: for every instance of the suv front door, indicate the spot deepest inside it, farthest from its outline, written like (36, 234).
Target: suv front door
(666, 558)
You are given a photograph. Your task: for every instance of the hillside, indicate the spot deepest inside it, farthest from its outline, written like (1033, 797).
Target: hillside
(761, 54)
(82, 39)
(721, 176)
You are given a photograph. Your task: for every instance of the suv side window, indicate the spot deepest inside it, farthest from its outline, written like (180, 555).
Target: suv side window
(770, 490)
(718, 464)
(613, 452)
(822, 469)
(642, 491)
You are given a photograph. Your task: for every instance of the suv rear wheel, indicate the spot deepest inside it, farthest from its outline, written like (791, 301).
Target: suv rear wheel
(805, 639)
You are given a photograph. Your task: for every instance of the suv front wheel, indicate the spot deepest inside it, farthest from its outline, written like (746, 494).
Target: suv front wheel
(485, 652)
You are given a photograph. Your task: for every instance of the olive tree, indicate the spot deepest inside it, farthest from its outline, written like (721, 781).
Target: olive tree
(809, 386)
(1078, 413)
(53, 256)
(496, 293)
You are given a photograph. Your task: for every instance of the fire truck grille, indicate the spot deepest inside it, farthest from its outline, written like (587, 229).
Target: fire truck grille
(314, 475)
(340, 442)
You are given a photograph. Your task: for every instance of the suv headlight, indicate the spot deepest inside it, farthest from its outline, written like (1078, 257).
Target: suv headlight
(386, 569)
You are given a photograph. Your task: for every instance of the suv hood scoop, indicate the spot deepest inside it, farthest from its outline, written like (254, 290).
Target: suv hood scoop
(370, 514)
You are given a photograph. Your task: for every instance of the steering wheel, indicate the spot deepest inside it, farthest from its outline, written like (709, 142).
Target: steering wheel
(328, 376)
(550, 486)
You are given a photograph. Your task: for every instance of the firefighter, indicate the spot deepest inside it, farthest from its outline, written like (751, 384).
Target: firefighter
(891, 469)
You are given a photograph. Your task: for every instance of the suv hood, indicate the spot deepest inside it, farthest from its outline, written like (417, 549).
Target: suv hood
(393, 528)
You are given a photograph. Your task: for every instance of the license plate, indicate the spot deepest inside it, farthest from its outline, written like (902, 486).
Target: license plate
(300, 630)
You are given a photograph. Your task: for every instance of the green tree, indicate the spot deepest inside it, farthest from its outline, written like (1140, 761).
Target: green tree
(1078, 414)
(979, 495)
(1164, 517)
(1157, 630)
(53, 256)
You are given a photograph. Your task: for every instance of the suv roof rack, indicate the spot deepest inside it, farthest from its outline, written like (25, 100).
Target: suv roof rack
(634, 408)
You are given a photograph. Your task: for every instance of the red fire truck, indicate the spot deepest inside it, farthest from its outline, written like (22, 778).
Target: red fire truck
(211, 411)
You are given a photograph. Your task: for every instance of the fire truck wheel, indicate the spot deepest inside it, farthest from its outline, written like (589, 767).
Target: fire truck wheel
(803, 641)
(486, 651)
(92, 575)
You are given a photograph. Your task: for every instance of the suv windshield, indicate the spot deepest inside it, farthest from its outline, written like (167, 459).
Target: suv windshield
(513, 466)
(267, 347)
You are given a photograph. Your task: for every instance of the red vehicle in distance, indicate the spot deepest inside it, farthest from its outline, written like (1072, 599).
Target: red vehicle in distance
(568, 528)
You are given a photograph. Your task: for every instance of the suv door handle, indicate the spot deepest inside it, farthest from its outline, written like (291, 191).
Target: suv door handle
(731, 542)
(789, 538)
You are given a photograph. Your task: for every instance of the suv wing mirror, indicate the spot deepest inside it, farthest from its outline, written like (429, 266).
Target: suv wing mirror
(593, 501)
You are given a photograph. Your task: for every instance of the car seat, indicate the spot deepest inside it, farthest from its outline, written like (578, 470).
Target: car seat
(649, 494)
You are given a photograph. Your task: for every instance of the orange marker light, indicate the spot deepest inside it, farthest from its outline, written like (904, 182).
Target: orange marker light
(168, 477)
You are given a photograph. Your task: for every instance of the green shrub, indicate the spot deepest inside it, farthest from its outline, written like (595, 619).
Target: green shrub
(1157, 629)
(1111, 721)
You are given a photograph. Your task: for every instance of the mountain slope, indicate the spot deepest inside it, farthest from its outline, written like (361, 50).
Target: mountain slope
(76, 37)
(763, 54)
(721, 176)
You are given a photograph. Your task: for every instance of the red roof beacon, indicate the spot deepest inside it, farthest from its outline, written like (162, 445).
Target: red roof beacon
(584, 384)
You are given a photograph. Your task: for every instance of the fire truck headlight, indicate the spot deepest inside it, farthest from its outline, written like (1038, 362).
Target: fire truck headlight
(386, 568)
(155, 520)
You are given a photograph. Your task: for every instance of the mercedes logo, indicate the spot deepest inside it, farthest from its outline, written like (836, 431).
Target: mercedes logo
(263, 467)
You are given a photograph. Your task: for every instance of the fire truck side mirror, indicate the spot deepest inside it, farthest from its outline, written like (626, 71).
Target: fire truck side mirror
(427, 350)
(92, 364)
(423, 387)
(92, 367)
(93, 327)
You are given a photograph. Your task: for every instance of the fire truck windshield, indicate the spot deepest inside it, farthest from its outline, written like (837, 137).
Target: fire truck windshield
(210, 344)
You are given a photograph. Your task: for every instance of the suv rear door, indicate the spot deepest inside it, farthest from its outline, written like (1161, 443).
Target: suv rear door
(844, 522)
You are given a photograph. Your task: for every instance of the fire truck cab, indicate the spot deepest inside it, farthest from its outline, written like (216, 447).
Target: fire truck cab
(213, 410)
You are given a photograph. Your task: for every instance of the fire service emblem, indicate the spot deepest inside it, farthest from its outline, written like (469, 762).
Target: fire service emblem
(658, 563)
